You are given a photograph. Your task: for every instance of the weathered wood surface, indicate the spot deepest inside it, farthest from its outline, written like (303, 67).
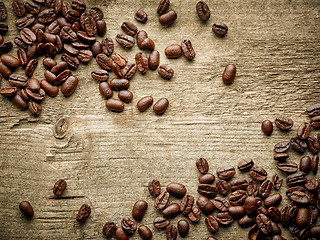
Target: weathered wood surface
(108, 158)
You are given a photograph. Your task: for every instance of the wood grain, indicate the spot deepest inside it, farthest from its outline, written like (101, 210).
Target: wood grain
(108, 158)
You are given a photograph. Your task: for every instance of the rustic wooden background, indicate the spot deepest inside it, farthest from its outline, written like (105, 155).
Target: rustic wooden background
(108, 158)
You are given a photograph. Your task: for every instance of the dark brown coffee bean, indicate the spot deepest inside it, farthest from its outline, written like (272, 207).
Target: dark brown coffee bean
(119, 84)
(139, 209)
(160, 222)
(287, 167)
(47, 16)
(142, 62)
(119, 58)
(236, 211)
(276, 181)
(296, 179)
(129, 28)
(5, 47)
(313, 145)
(10, 61)
(39, 35)
(302, 217)
(154, 188)
(148, 44)
(108, 229)
(304, 130)
(237, 197)
(69, 49)
(163, 7)
(314, 110)
(24, 95)
(250, 205)
(116, 70)
(246, 221)
(282, 147)
(26, 209)
(107, 46)
(205, 205)
(50, 90)
(165, 71)
(96, 13)
(161, 201)
(206, 179)
(141, 16)
(168, 18)
(25, 21)
(299, 145)
(78, 5)
(267, 127)
(281, 157)
(84, 213)
(90, 26)
(68, 35)
(177, 190)
(221, 204)
(8, 91)
(183, 228)
(59, 187)
(105, 90)
(32, 7)
(188, 50)
(312, 184)
(22, 56)
(202, 165)
(220, 29)
(288, 215)
(264, 223)
(254, 232)
(239, 184)
(186, 204)
(73, 62)
(284, 123)
(49, 63)
(223, 187)
(3, 12)
(61, 78)
(299, 197)
(128, 225)
(38, 96)
(101, 27)
(18, 8)
(171, 210)
(313, 215)
(203, 11)
(258, 173)
(161, 106)
(19, 102)
(194, 215)
(252, 188)
(31, 67)
(50, 50)
(212, 224)
(3, 28)
(173, 51)
(305, 164)
(224, 218)
(129, 71)
(141, 36)
(272, 200)
(34, 84)
(144, 103)
(4, 71)
(17, 80)
(226, 173)
(121, 234)
(245, 164)
(38, 26)
(125, 41)
(48, 37)
(100, 75)
(84, 38)
(171, 232)
(145, 232)
(69, 86)
(314, 164)
(54, 27)
(154, 60)
(85, 56)
(52, 79)
(229, 74)
(274, 214)
(104, 62)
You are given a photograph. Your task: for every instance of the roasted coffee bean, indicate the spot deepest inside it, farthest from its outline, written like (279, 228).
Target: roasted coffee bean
(296, 179)
(202, 165)
(245, 164)
(229, 74)
(85, 56)
(154, 188)
(48, 37)
(171, 210)
(304, 130)
(78, 5)
(264, 223)
(38, 96)
(108, 229)
(272, 200)
(96, 48)
(34, 84)
(160, 222)
(313, 215)
(183, 228)
(165, 71)
(236, 211)
(304, 233)
(26, 209)
(267, 127)
(250, 205)
(17, 80)
(314, 110)
(254, 232)
(139, 209)
(107, 46)
(3, 28)
(84, 38)
(125, 41)
(145, 232)
(129, 71)
(144, 103)
(287, 167)
(105, 90)
(84, 213)
(22, 56)
(73, 62)
(223, 187)
(284, 123)
(25, 21)
(163, 6)
(90, 26)
(177, 190)
(252, 188)
(168, 18)
(101, 28)
(161, 106)
(69, 86)
(69, 49)
(52, 79)
(104, 62)
(173, 51)
(203, 11)
(96, 13)
(50, 50)
(274, 214)
(314, 164)
(4, 71)
(8, 91)
(194, 215)
(32, 7)
(212, 224)
(100, 75)
(161, 201)
(171, 232)
(220, 29)
(299, 145)
(276, 181)
(258, 173)
(313, 145)
(154, 60)
(18, 101)
(142, 62)
(239, 184)
(246, 221)
(128, 225)
(302, 217)
(24, 95)
(5, 47)
(18, 8)
(237, 197)
(50, 90)
(188, 50)
(60, 67)
(206, 179)
(186, 204)
(305, 164)
(224, 218)
(315, 122)
(49, 63)
(281, 156)
(39, 35)
(119, 84)
(299, 197)
(221, 204)
(226, 173)
(68, 35)
(121, 234)
(59, 187)
(116, 70)
(141, 16)
(119, 58)
(141, 36)
(205, 205)
(47, 16)
(129, 28)
(38, 26)
(62, 77)
(312, 184)
(148, 44)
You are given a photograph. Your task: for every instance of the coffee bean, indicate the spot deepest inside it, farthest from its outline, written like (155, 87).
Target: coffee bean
(90, 26)
(4, 71)
(203, 11)
(39, 35)
(183, 228)
(101, 28)
(223, 187)
(116, 70)
(226, 173)
(148, 44)
(100, 75)
(142, 62)
(17, 80)
(68, 35)
(205, 205)
(38, 26)
(125, 41)
(304, 130)
(239, 184)
(314, 110)
(96, 13)
(129, 71)
(163, 7)
(186, 204)
(284, 123)
(125, 96)
(171, 232)
(22, 56)
(154, 60)
(47, 16)
(237, 197)
(188, 50)
(254, 232)
(299, 145)
(26, 209)
(314, 164)
(161, 106)
(178, 190)
(10, 61)
(299, 197)
(49, 63)
(121, 234)
(50, 50)
(212, 224)
(245, 164)
(128, 225)
(236, 211)
(246, 221)
(305, 164)
(274, 214)
(302, 217)
(252, 188)
(194, 215)
(69, 49)
(32, 7)
(50, 90)
(154, 188)
(220, 29)
(221, 204)
(129, 28)
(119, 84)
(296, 179)
(141, 36)
(59, 187)
(139, 209)
(313, 215)
(173, 51)
(114, 105)
(258, 173)
(18, 8)
(202, 165)
(160, 222)
(281, 157)
(37, 96)
(3, 28)
(48, 37)
(229, 74)
(8, 91)
(264, 223)
(250, 205)
(85, 56)
(5, 47)
(105, 90)
(141, 16)
(165, 71)
(272, 200)
(73, 62)
(171, 210)
(168, 18)
(34, 84)
(267, 127)
(108, 229)
(119, 59)
(145, 232)
(224, 218)
(161, 201)
(52, 79)
(104, 62)
(96, 48)
(144, 103)
(206, 179)
(83, 37)
(69, 86)
(84, 213)
(276, 181)
(313, 145)
(107, 46)
(54, 27)
(287, 167)
(25, 21)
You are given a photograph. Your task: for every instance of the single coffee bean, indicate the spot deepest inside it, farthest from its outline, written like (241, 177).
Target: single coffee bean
(32, 7)
(144, 103)
(105, 90)
(203, 11)
(107, 46)
(246, 221)
(212, 224)
(304, 130)
(85, 56)
(194, 215)
(226, 173)
(305, 164)
(284, 123)
(96, 48)
(51, 78)
(148, 44)
(17, 80)
(119, 59)
(38, 26)
(60, 67)
(274, 214)
(141, 36)
(264, 223)
(205, 205)
(314, 110)
(59, 187)
(250, 205)
(121, 234)
(18, 8)
(129, 28)
(312, 184)
(25, 21)
(239, 184)
(47, 16)
(168, 18)
(139, 209)
(302, 217)
(229, 74)
(171, 210)
(254, 232)
(161, 201)
(258, 173)
(83, 37)
(5, 47)
(267, 127)
(173, 51)
(10, 61)
(282, 147)
(114, 105)
(90, 26)
(154, 60)
(221, 204)
(296, 179)
(300, 197)
(145, 232)
(78, 5)
(34, 84)
(31, 67)
(315, 122)
(186, 204)
(313, 215)
(160, 222)
(125, 41)
(314, 164)
(27, 36)
(141, 16)
(287, 167)
(39, 35)
(116, 70)
(49, 63)
(202, 165)
(22, 56)
(104, 62)
(101, 28)
(3, 28)
(188, 50)
(163, 6)
(26, 209)
(252, 188)
(84, 213)
(177, 190)
(154, 188)
(8, 91)
(37, 96)
(125, 96)
(50, 90)
(281, 157)
(237, 198)
(128, 225)
(142, 62)
(206, 179)
(272, 200)
(183, 228)
(69, 86)
(119, 84)
(245, 164)
(73, 62)
(299, 145)
(4, 71)
(100, 75)
(96, 13)
(223, 187)
(171, 232)
(19, 102)
(236, 211)
(276, 181)
(69, 49)
(161, 106)
(313, 145)
(109, 229)
(220, 29)
(224, 218)
(165, 71)
(129, 71)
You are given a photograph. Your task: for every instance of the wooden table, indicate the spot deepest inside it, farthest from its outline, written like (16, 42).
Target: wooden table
(108, 158)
